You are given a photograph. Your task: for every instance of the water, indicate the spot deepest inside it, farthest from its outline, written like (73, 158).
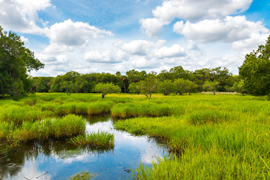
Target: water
(59, 160)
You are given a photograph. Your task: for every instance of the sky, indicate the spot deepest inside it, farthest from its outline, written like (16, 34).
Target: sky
(153, 35)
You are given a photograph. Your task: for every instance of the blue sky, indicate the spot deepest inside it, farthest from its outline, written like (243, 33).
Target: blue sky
(152, 35)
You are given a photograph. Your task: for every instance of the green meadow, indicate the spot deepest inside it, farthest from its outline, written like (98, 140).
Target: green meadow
(224, 136)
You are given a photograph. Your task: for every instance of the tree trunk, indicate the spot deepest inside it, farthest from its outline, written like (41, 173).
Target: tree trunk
(103, 95)
(214, 93)
(150, 95)
(180, 93)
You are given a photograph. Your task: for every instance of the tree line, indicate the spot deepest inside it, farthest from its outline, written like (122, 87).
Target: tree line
(16, 62)
(176, 80)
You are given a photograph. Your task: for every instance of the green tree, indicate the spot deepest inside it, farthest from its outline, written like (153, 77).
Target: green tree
(15, 62)
(135, 88)
(256, 70)
(123, 80)
(239, 87)
(107, 88)
(180, 86)
(166, 87)
(58, 82)
(210, 86)
(68, 87)
(148, 86)
(43, 84)
(190, 86)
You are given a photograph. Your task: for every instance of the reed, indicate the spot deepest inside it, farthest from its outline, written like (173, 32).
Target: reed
(145, 109)
(98, 140)
(67, 126)
(220, 137)
(81, 108)
(18, 114)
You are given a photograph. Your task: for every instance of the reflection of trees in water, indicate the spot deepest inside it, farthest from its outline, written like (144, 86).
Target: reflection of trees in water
(96, 119)
(12, 162)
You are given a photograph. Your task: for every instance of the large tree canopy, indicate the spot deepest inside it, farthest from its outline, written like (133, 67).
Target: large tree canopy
(256, 70)
(15, 62)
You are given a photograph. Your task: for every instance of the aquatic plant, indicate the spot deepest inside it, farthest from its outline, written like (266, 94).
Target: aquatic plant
(147, 109)
(99, 140)
(67, 126)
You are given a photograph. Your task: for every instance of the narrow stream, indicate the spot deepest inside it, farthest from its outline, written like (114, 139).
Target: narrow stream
(60, 160)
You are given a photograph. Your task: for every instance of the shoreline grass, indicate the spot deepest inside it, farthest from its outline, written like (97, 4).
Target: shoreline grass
(97, 140)
(67, 126)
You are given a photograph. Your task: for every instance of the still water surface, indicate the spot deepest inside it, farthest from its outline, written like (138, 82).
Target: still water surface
(59, 160)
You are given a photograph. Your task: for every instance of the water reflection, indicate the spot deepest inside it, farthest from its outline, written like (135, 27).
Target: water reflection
(63, 160)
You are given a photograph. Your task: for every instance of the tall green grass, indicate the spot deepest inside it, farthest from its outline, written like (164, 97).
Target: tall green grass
(18, 114)
(93, 108)
(210, 137)
(222, 137)
(98, 140)
(147, 109)
(67, 126)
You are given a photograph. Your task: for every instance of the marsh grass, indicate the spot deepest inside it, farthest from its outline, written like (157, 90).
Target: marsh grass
(18, 114)
(210, 116)
(81, 108)
(147, 109)
(98, 140)
(218, 137)
(210, 137)
(67, 126)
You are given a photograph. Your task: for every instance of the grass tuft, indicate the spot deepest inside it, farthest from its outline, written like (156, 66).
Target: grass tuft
(98, 140)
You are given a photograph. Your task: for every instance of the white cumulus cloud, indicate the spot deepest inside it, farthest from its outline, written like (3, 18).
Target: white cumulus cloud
(151, 27)
(143, 63)
(104, 56)
(68, 34)
(21, 15)
(167, 52)
(71, 33)
(229, 29)
(194, 10)
(139, 47)
(190, 10)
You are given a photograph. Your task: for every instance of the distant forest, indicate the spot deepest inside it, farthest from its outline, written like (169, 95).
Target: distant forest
(85, 83)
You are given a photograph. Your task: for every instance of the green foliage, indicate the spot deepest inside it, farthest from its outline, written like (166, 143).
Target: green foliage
(256, 70)
(240, 87)
(180, 86)
(68, 87)
(148, 86)
(210, 86)
(135, 88)
(107, 88)
(16, 61)
(166, 87)
(43, 84)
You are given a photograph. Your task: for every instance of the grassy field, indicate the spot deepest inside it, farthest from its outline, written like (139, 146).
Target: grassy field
(223, 136)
